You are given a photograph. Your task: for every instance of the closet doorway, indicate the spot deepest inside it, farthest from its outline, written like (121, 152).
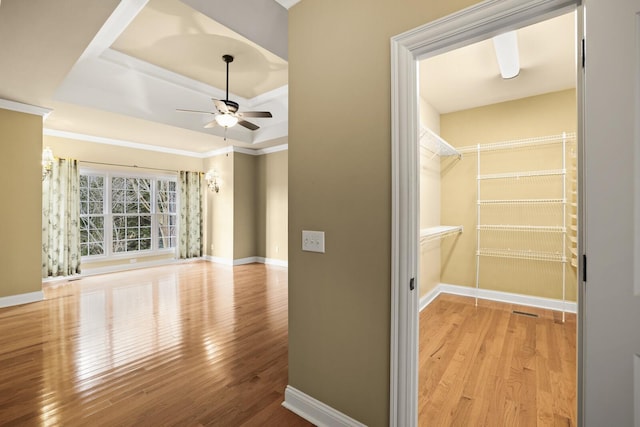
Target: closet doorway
(498, 226)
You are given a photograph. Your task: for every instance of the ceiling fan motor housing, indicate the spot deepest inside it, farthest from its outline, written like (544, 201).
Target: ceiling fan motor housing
(232, 106)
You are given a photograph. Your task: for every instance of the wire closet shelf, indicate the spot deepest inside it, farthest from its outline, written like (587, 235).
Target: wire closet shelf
(558, 255)
(437, 146)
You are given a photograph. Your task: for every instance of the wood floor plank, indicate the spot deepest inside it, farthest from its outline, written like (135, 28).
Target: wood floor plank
(486, 365)
(195, 344)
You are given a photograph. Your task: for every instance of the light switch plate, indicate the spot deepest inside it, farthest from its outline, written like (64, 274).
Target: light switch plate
(313, 241)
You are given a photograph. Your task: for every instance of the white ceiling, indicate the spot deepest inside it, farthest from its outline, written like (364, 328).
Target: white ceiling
(61, 55)
(119, 69)
(150, 58)
(173, 36)
(469, 77)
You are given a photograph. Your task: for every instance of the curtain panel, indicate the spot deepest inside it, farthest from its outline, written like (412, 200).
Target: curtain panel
(61, 220)
(190, 243)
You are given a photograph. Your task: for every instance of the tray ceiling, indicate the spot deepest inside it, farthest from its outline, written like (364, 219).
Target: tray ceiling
(173, 36)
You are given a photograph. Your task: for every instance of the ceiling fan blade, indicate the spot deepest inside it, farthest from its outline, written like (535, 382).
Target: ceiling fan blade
(211, 124)
(255, 114)
(248, 125)
(194, 111)
(221, 106)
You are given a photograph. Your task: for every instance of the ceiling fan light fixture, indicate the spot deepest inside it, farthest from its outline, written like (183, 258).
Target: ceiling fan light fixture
(506, 47)
(226, 120)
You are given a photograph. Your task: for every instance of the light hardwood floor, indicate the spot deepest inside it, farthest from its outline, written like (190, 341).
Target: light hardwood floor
(486, 366)
(189, 344)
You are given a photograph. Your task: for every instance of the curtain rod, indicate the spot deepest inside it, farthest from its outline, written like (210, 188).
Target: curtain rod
(128, 166)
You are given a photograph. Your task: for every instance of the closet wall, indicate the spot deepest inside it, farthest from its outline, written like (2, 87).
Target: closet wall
(532, 117)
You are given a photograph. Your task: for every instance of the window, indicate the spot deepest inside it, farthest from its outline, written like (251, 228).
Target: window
(131, 210)
(122, 214)
(91, 215)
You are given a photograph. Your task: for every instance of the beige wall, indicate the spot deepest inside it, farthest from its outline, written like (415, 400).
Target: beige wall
(219, 208)
(95, 152)
(245, 199)
(272, 238)
(340, 183)
(549, 114)
(246, 218)
(21, 226)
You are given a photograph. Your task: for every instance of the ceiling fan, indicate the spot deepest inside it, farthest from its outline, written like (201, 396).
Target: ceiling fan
(227, 114)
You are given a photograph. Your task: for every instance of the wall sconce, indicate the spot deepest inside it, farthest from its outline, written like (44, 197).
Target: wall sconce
(213, 180)
(47, 162)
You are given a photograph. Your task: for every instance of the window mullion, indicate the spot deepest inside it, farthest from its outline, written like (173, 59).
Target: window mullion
(108, 216)
(154, 216)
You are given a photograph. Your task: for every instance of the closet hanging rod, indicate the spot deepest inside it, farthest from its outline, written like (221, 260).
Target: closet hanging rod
(520, 201)
(529, 174)
(523, 228)
(522, 254)
(128, 166)
(551, 139)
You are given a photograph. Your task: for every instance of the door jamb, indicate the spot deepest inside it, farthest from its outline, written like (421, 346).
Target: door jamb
(467, 26)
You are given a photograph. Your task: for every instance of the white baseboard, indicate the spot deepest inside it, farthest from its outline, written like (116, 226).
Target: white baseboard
(273, 261)
(243, 261)
(133, 266)
(430, 296)
(219, 260)
(314, 411)
(506, 297)
(230, 261)
(249, 260)
(20, 299)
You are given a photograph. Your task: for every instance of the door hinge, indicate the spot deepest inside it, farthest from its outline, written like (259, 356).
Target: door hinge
(583, 53)
(584, 267)
(412, 283)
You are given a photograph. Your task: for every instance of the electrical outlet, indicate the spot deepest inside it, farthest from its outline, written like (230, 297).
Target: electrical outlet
(313, 241)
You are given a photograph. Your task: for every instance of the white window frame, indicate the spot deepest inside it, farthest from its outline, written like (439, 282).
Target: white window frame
(108, 175)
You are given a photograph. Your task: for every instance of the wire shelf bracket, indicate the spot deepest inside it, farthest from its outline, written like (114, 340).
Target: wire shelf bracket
(439, 232)
(432, 142)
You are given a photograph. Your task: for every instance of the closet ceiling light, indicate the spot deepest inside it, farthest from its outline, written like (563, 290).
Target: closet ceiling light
(506, 47)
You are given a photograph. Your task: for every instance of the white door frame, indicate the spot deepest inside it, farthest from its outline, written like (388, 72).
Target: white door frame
(473, 24)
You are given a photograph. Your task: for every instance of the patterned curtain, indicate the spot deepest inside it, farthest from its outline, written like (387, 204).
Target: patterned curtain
(61, 220)
(190, 226)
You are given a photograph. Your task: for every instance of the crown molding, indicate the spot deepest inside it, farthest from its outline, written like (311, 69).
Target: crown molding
(276, 149)
(132, 63)
(5, 104)
(147, 147)
(249, 151)
(288, 4)
(218, 152)
(119, 143)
